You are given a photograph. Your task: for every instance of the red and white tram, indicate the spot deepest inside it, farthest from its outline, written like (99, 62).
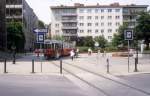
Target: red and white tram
(56, 48)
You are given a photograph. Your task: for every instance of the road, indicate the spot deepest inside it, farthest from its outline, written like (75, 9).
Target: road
(84, 76)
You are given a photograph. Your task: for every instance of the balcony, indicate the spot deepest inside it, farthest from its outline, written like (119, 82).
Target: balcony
(69, 14)
(69, 34)
(14, 6)
(69, 27)
(128, 20)
(69, 21)
(15, 17)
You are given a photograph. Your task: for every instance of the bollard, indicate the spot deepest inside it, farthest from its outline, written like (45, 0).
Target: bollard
(60, 66)
(136, 61)
(14, 59)
(5, 66)
(33, 66)
(107, 65)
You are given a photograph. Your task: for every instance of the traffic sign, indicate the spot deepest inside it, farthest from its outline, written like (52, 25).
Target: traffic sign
(128, 34)
(40, 38)
(40, 30)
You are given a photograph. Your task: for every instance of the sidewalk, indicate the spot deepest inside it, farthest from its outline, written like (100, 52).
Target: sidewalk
(117, 65)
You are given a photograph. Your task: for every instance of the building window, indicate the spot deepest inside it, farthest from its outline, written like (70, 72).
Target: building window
(89, 24)
(96, 31)
(81, 10)
(89, 10)
(116, 30)
(109, 10)
(117, 17)
(117, 23)
(109, 24)
(102, 10)
(56, 25)
(102, 24)
(89, 31)
(102, 17)
(96, 24)
(81, 31)
(57, 31)
(117, 10)
(81, 17)
(81, 24)
(109, 30)
(102, 30)
(109, 17)
(109, 37)
(96, 10)
(125, 11)
(96, 17)
(89, 17)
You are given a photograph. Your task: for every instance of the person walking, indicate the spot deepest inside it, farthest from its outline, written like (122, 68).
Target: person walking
(77, 52)
(72, 54)
(89, 51)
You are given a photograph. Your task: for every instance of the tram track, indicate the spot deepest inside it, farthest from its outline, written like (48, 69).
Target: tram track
(101, 76)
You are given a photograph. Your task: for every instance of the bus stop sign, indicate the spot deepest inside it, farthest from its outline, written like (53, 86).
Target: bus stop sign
(128, 34)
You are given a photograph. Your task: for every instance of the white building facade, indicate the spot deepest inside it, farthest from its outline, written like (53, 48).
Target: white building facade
(98, 20)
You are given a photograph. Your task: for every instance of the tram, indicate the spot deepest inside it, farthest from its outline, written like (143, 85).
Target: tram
(56, 48)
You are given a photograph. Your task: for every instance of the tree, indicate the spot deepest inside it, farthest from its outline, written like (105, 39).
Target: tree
(118, 38)
(142, 30)
(57, 37)
(101, 40)
(15, 36)
(88, 41)
(41, 24)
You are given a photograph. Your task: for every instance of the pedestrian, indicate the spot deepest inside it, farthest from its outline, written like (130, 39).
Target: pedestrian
(77, 52)
(72, 54)
(89, 51)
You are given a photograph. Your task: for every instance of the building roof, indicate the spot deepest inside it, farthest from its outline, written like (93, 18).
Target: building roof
(114, 5)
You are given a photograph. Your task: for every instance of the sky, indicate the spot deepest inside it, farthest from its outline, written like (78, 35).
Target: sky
(42, 7)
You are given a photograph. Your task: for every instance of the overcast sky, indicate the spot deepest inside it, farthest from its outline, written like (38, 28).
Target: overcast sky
(42, 7)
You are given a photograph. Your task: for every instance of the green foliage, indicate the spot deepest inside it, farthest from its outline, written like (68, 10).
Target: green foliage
(57, 37)
(15, 36)
(83, 49)
(41, 24)
(80, 41)
(118, 38)
(101, 40)
(88, 41)
(142, 30)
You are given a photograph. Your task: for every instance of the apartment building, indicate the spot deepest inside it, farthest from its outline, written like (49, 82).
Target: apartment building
(80, 20)
(3, 37)
(19, 10)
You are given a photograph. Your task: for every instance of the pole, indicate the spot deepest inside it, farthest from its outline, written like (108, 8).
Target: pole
(33, 66)
(128, 54)
(60, 66)
(136, 61)
(5, 66)
(14, 56)
(41, 58)
(107, 65)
